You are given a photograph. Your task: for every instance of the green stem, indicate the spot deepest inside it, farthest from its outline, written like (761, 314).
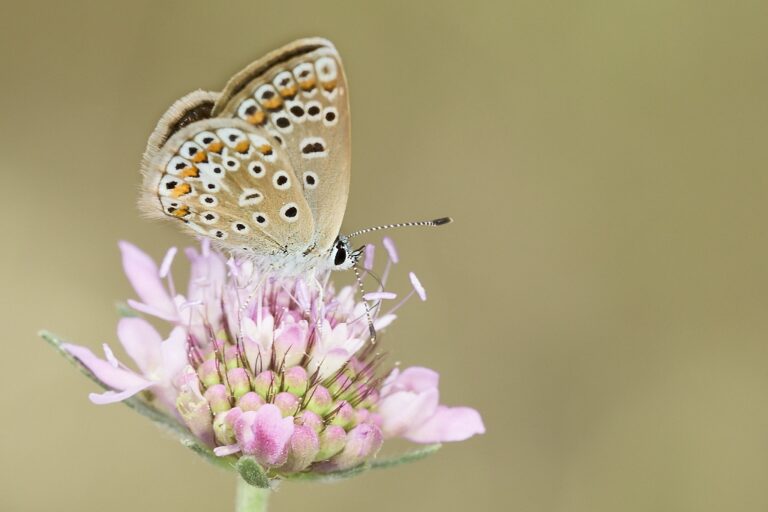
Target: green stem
(250, 498)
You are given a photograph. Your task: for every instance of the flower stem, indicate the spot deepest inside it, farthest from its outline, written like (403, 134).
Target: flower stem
(250, 498)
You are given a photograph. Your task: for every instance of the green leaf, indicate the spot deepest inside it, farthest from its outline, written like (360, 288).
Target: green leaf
(406, 458)
(252, 472)
(167, 423)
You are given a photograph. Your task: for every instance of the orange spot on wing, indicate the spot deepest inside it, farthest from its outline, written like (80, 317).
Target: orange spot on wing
(242, 147)
(265, 149)
(200, 156)
(289, 92)
(190, 172)
(257, 118)
(329, 86)
(181, 189)
(308, 84)
(215, 147)
(273, 103)
(181, 212)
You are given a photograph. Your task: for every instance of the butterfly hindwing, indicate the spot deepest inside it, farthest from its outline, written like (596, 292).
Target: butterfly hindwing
(230, 181)
(299, 95)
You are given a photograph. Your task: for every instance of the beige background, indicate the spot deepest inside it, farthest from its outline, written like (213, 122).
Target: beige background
(601, 298)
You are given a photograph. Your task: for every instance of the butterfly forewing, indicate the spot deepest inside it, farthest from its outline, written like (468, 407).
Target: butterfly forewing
(298, 94)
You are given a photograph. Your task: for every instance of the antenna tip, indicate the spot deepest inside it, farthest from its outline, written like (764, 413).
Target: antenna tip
(442, 220)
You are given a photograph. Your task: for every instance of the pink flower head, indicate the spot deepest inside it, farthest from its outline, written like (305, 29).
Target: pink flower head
(281, 369)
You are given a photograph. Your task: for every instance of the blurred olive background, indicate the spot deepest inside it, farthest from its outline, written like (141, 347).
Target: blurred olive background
(601, 298)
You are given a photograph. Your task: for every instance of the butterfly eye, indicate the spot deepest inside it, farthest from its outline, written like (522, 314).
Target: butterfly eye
(289, 212)
(285, 84)
(193, 152)
(250, 111)
(209, 141)
(256, 169)
(268, 98)
(304, 74)
(310, 180)
(208, 200)
(209, 217)
(250, 197)
(260, 219)
(330, 116)
(281, 180)
(240, 227)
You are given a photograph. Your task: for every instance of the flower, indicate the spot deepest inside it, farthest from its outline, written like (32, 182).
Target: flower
(279, 369)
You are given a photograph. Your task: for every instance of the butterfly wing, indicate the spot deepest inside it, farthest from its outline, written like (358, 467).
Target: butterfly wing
(225, 179)
(299, 95)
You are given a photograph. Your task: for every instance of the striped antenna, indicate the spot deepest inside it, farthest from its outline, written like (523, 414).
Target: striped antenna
(436, 222)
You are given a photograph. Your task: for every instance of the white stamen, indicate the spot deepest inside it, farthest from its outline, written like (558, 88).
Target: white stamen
(417, 286)
(369, 250)
(379, 296)
(389, 245)
(165, 267)
(110, 356)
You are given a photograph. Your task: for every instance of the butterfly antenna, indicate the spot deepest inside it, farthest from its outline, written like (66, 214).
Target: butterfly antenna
(429, 223)
(371, 328)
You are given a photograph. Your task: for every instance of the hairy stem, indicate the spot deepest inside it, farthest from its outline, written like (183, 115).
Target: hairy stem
(250, 498)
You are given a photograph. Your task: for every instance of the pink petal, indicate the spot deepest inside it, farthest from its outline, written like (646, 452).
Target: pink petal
(416, 378)
(116, 378)
(144, 276)
(110, 397)
(383, 321)
(223, 451)
(151, 310)
(420, 291)
(265, 434)
(448, 424)
(110, 356)
(403, 411)
(389, 245)
(174, 353)
(142, 342)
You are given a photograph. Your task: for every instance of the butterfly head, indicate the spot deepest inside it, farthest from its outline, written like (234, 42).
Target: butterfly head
(342, 257)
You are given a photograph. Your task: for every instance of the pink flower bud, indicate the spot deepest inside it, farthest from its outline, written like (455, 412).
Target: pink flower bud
(321, 400)
(344, 416)
(303, 447)
(287, 403)
(250, 402)
(239, 383)
(310, 419)
(363, 442)
(218, 398)
(332, 441)
(264, 384)
(295, 380)
(209, 373)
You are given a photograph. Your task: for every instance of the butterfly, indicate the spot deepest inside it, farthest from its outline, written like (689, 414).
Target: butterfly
(263, 167)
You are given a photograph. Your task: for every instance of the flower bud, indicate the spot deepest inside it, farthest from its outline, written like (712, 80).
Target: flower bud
(287, 403)
(209, 373)
(264, 383)
(321, 400)
(295, 380)
(195, 412)
(250, 402)
(239, 383)
(302, 449)
(363, 442)
(224, 426)
(332, 441)
(218, 398)
(310, 419)
(344, 416)
(231, 357)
